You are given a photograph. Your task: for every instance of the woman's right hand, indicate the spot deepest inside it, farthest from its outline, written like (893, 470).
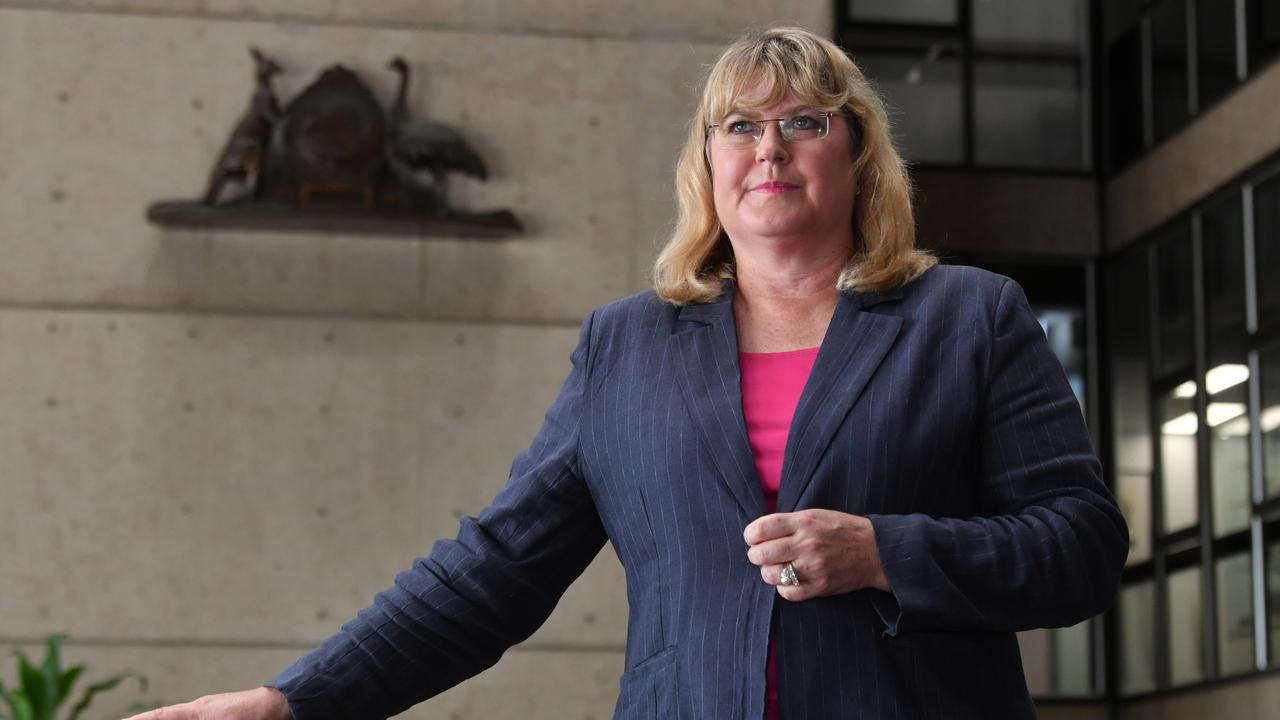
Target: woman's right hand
(263, 703)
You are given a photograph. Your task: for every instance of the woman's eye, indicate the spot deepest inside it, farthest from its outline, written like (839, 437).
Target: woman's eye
(739, 127)
(804, 122)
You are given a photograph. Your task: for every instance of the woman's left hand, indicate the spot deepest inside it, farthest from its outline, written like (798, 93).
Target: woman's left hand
(831, 552)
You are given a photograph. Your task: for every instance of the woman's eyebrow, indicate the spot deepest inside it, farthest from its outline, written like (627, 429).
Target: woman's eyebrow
(758, 113)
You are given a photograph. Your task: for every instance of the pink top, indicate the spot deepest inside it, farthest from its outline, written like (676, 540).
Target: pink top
(771, 388)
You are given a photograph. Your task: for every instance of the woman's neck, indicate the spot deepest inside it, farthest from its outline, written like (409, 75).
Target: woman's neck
(779, 308)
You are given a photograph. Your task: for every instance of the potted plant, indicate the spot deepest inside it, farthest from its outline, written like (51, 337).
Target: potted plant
(42, 690)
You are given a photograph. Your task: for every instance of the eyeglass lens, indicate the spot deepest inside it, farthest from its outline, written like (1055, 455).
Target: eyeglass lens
(802, 126)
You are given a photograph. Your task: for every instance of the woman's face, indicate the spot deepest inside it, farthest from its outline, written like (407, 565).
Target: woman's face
(779, 191)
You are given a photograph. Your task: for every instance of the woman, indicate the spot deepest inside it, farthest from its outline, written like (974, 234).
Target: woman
(839, 478)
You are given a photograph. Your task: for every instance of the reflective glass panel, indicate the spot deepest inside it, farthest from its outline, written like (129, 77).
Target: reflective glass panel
(1235, 614)
(1124, 105)
(1028, 114)
(923, 95)
(1071, 660)
(1270, 421)
(1169, 67)
(1052, 25)
(1036, 664)
(1215, 49)
(1262, 26)
(1266, 238)
(1137, 638)
(1186, 660)
(1178, 425)
(1127, 326)
(1227, 380)
(916, 11)
(1175, 293)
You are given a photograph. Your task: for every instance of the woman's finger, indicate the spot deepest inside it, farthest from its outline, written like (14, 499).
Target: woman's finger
(772, 552)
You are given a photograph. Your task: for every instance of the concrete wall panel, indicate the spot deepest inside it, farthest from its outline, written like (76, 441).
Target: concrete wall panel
(713, 22)
(1004, 214)
(237, 478)
(114, 112)
(526, 684)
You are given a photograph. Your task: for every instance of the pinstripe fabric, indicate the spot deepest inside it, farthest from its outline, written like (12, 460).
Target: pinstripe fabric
(937, 410)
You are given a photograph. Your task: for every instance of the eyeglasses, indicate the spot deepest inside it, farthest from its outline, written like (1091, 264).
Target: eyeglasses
(804, 125)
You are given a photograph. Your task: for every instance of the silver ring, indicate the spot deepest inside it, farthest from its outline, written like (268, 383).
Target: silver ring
(789, 575)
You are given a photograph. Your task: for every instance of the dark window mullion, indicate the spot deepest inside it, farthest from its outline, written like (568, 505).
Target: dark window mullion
(967, 112)
(1204, 468)
(1160, 618)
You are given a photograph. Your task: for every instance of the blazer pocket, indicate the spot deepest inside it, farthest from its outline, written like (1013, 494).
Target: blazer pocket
(648, 690)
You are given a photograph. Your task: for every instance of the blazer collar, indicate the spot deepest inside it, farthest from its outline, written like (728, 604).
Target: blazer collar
(707, 360)
(721, 309)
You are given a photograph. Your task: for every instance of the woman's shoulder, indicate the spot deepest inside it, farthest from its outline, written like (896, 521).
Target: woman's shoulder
(627, 310)
(957, 287)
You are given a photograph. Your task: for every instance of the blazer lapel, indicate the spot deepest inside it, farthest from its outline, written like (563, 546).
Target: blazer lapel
(855, 344)
(706, 356)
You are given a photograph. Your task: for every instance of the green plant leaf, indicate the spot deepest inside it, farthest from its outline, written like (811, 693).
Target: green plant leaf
(66, 680)
(22, 709)
(51, 669)
(34, 688)
(103, 686)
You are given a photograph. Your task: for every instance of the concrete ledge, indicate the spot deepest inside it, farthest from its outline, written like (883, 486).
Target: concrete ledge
(1231, 137)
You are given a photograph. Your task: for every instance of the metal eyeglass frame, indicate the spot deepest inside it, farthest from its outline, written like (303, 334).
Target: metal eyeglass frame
(787, 132)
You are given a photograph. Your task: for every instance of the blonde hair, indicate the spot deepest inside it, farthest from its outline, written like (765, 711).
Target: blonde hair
(698, 257)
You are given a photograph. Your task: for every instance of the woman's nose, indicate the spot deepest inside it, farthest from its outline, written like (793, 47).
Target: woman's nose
(772, 148)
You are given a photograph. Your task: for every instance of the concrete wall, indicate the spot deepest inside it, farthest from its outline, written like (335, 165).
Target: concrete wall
(1000, 214)
(218, 446)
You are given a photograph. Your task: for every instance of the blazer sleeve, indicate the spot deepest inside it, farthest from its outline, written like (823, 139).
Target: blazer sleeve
(1050, 544)
(457, 610)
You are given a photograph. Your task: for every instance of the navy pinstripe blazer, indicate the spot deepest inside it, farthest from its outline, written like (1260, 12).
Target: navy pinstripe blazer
(937, 410)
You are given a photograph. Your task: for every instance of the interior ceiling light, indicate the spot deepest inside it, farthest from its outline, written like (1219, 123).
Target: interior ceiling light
(1225, 376)
(1184, 424)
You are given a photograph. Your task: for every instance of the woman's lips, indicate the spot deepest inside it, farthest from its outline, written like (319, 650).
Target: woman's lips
(773, 188)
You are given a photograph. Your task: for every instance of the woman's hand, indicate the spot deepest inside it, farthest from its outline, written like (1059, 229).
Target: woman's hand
(831, 552)
(261, 704)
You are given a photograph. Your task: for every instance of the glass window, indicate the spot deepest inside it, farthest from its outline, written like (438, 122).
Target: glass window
(1175, 294)
(1266, 234)
(1118, 16)
(1235, 614)
(1178, 426)
(1222, 235)
(1186, 661)
(1270, 420)
(1028, 114)
(1169, 67)
(1036, 665)
(1215, 49)
(1127, 321)
(1071, 664)
(1124, 97)
(1262, 20)
(923, 92)
(1137, 638)
(1046, 24)
(917, 11)
(1222, 238)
